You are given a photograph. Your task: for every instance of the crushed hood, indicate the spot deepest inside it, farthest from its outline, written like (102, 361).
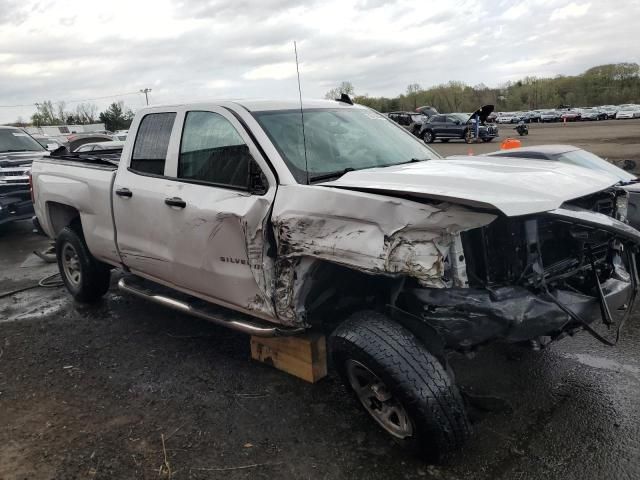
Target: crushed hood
(507, 184)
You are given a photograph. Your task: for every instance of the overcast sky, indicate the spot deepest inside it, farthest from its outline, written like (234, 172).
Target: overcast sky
(194, 50)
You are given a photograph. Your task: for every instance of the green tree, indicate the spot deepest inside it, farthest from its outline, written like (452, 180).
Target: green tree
(47, 114)
(116, 117)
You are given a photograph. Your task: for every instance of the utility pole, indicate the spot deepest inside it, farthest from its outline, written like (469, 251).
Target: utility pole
(146, 94)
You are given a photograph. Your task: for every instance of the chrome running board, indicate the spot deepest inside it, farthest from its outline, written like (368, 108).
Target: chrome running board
(224, 319)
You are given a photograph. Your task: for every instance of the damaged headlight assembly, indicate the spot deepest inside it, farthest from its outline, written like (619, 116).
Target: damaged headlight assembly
(536, 279)
(622, 206)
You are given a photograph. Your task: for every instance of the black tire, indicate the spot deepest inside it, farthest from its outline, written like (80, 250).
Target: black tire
(86, 278)
(444, 140)
(428, 136)
(414, 377)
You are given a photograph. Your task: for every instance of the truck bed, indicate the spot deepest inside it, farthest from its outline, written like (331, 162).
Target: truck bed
(82, 182)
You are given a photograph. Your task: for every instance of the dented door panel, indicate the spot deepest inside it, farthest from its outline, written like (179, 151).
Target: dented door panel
(219, 246)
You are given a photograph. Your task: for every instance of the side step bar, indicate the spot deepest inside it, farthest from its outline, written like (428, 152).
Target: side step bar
(244, 326)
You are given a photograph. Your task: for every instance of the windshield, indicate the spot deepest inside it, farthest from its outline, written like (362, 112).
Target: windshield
(586, 159)
(463, 117)
(339, 139)
(15, 140)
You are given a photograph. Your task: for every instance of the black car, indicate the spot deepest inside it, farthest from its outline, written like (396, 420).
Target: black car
(17, 152)
(459, 126)
(411, 121)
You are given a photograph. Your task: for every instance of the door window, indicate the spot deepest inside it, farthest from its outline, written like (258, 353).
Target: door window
(152, 143)
(212, 151)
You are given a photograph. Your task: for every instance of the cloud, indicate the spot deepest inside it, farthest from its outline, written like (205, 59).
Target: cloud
(273, 71)
(573, 10)
(192, 50)
(515, 12)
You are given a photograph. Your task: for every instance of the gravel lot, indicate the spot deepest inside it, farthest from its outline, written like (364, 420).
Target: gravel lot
(612, 139)
(91, 392)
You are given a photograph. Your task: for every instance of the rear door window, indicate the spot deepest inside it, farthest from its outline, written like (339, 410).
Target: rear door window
(212, 151)
(152, 143)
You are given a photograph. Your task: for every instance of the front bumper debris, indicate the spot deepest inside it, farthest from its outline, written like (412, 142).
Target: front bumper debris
(465, 318)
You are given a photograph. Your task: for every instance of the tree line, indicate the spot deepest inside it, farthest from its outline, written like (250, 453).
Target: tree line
(116, 116)
(611, 84)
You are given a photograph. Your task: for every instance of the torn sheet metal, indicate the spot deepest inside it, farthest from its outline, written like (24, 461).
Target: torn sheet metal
(389, 235)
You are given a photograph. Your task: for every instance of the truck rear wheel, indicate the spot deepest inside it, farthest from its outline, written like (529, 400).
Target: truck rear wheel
(404, 388)
(86, 278)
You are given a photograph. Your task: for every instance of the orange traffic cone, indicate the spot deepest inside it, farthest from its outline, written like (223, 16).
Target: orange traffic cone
(510, 143)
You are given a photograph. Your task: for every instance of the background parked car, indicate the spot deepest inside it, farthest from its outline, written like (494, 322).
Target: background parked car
(577, 156)
(17, 152)
(506, 117)
(91, 147)
(78, 139)
(531, 116)
(628, 111)
(409, 120)
(610, 110)
(571, 115)
(549, 116)
(51, 142)
(456, 126)
(120, 135)
(592, 113)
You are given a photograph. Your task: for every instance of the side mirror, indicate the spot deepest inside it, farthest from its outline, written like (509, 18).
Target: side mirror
(258, 184)
(457, 122)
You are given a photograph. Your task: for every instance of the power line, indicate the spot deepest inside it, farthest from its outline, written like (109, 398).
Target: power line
(75, 101)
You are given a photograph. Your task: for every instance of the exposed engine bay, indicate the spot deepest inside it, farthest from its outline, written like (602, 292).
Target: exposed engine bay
(536, 277)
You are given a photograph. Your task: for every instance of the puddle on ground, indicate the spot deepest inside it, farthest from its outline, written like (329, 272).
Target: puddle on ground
(27, 306)
(603, 363)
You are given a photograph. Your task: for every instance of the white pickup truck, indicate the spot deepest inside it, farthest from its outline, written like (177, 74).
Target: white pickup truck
(274, 218)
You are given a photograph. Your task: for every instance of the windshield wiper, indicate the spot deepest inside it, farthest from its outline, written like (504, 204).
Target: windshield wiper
(328, 176)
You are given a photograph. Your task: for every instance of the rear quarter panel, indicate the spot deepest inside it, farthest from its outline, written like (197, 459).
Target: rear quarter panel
(84, 188)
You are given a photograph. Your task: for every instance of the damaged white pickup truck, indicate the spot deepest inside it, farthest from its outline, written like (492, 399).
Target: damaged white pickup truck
(235, 213)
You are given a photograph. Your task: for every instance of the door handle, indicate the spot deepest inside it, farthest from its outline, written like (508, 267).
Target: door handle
(124, 192)
(175, 202)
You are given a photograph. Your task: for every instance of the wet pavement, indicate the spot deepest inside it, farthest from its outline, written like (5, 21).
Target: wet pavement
(92, 392)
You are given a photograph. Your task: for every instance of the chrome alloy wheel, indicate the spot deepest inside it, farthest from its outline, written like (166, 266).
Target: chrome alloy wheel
(378, 400)
(71, 265)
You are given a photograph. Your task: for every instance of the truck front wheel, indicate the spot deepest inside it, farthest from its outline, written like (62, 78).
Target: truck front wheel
(86, 278)
(404, 388)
